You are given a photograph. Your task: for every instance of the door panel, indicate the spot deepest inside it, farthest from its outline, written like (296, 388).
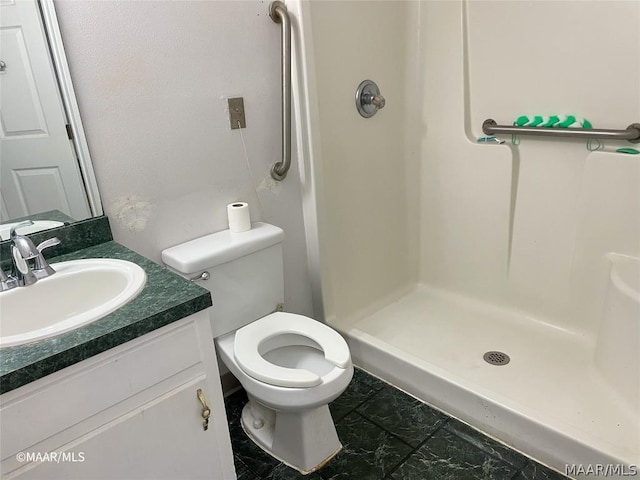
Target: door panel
(39, 188)
(22, 113)
(37, 157)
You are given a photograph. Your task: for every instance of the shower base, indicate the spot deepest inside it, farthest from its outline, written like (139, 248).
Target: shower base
(548, 401)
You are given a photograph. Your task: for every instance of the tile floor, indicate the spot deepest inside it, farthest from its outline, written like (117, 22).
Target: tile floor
(387, 434)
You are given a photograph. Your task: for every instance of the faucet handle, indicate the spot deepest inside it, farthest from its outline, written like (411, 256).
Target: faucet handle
(42, 268)
(13, 233)
(51, 242)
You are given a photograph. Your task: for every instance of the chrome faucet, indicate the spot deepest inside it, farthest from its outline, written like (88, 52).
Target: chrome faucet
(22, 251)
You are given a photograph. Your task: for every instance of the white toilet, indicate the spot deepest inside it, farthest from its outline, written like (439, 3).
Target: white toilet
(290, 365)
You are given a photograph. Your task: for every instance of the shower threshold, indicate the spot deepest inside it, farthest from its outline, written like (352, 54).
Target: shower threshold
(548, 402)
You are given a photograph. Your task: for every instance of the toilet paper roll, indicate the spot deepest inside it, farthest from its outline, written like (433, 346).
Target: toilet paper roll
(239, 217)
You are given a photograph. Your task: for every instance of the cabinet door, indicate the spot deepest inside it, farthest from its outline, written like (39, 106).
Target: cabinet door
(163, 439)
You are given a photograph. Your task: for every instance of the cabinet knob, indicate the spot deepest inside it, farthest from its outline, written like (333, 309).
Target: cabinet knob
(206, 411)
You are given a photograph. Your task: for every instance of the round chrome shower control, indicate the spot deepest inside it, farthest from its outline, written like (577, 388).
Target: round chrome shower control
(368, 99)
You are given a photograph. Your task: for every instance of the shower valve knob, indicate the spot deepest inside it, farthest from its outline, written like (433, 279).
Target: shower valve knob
(378, 101)
(368, 99)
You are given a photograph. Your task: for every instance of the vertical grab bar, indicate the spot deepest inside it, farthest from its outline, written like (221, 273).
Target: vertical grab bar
(278, 13)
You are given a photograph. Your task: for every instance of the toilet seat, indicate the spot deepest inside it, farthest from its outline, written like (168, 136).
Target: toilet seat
(249, 338)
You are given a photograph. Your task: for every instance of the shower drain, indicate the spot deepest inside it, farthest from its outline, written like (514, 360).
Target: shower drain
(496, 358)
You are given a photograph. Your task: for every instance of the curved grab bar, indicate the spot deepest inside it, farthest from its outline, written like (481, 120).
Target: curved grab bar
(278, 13)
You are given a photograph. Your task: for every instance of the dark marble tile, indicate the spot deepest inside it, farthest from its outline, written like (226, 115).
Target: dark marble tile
(535, 471)
(246, 452)
(455, 452)
(362, 386)
(369, 452)
(447, 457)
(282, 472)
(256, 460)
(363, 377)
(402, 415)
(242, 471)
(486, 444)
(234, 404)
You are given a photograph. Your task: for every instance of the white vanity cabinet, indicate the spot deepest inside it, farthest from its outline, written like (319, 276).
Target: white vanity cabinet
(131, 412)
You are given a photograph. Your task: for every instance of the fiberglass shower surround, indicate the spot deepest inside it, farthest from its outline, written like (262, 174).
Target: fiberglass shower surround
(429, 249)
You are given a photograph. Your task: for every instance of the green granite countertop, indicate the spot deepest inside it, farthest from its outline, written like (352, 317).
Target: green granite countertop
(165, 298)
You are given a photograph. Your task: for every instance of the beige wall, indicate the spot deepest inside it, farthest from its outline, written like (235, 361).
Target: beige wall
(363, 160)
(519, 225)
(409, 194)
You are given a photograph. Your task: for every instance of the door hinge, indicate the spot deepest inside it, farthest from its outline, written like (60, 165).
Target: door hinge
(69, 131)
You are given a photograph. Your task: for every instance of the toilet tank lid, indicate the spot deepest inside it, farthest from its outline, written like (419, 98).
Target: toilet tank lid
(221, 247)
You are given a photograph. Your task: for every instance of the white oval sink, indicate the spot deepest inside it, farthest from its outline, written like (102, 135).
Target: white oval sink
(37, 226)
(80, 292)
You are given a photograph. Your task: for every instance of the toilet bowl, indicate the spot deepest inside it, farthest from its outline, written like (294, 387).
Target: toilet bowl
(290, 379)
(285, 358)
(291, 366)
(256, 344)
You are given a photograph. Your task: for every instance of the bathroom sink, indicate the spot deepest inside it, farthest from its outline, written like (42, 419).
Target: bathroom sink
(80, 292)
(38, 225)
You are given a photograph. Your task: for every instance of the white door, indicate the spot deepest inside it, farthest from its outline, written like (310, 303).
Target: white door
(38, 166)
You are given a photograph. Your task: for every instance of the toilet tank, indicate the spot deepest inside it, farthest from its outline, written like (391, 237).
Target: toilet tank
(246, 273)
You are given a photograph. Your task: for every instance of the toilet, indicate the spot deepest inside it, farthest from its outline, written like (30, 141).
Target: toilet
(291, 366)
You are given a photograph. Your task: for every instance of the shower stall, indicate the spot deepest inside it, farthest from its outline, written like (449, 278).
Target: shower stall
(429, 249)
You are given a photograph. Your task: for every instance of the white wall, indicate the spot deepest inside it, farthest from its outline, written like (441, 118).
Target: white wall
(521, 225)
(525, 227)
(152, 80)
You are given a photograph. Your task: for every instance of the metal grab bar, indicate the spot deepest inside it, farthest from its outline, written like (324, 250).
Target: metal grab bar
(278, 13)
(632, 133)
